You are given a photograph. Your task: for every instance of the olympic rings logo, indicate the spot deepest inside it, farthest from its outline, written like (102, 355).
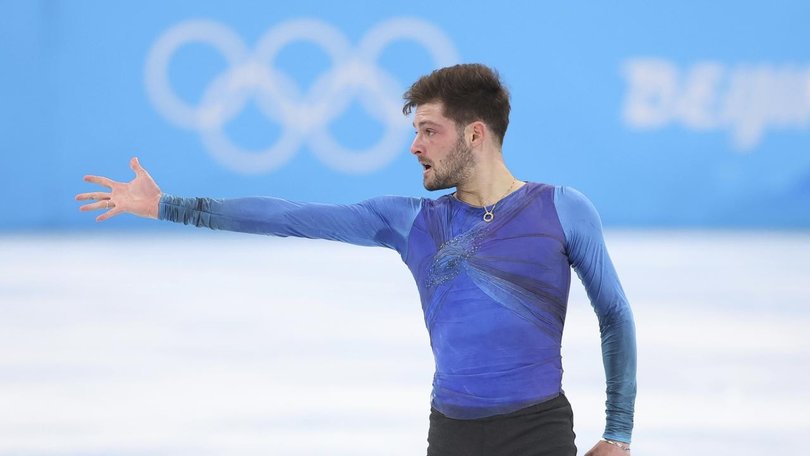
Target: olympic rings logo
(304, 117)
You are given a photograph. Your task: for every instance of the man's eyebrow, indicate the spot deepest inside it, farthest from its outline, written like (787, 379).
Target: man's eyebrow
(422, 123)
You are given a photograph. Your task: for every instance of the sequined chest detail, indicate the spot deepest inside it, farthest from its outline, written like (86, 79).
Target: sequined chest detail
(452, 256)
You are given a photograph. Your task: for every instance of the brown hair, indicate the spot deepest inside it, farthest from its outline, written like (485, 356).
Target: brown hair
(468, 92)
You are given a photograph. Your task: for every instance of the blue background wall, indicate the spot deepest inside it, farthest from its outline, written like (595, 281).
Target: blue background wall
(672, 114)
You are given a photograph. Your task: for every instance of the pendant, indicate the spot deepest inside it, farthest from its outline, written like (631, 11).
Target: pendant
(488, 215)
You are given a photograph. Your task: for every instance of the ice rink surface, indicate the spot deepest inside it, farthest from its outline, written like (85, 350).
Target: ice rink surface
(220, 344)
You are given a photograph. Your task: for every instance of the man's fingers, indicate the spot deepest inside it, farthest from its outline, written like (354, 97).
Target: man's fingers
(92, 196)
(111, 213)
(99, 180)
(103, 204)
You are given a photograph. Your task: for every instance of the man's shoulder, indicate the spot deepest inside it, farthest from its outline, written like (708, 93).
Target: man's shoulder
(571, 197)
(439, 201)
(540, 192)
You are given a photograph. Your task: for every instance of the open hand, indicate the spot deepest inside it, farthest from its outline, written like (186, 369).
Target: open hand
(140, 196)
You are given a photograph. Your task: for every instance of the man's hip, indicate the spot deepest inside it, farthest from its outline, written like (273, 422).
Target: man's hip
(544, 429)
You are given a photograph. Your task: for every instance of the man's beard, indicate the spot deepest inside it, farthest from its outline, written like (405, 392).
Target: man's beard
(456, 168)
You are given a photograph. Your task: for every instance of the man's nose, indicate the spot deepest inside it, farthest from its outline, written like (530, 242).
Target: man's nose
(416, 146)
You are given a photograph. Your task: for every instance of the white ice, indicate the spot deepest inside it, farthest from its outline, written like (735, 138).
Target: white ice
(221, 344)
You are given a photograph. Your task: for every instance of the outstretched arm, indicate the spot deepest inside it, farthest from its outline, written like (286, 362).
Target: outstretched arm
(382, 221)
(140, 196)
(589, 257)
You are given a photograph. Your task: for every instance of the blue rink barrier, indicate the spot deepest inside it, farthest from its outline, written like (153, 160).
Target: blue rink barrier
(665, 115)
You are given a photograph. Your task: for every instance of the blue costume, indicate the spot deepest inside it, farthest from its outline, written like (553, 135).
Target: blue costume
(494, 295)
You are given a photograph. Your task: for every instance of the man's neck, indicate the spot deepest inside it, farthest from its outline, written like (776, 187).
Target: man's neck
(487, 185)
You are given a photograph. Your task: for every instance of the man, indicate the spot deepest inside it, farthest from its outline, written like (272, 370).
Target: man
(492, 262)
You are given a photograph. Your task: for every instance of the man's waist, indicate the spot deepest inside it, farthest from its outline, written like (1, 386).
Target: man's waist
(486, 393)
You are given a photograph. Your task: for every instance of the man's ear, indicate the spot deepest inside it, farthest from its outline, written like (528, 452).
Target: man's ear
(478, 131)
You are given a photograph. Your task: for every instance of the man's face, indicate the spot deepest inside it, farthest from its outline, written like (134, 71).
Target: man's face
(441, 148)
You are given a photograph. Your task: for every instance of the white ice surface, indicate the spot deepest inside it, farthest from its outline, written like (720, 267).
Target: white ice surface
(222, 344)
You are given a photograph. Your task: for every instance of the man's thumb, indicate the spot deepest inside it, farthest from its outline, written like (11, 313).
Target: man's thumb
(135, 165)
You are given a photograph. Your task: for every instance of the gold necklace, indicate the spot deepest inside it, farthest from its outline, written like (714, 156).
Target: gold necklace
(489, 214)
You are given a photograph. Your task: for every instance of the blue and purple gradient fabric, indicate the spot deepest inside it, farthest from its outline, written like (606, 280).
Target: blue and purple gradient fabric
(494, 295)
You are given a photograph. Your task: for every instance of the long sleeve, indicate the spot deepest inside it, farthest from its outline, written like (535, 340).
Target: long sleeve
(589, 257)
(382, 221)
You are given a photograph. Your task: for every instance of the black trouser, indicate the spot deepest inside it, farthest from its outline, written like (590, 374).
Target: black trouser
(545, 429)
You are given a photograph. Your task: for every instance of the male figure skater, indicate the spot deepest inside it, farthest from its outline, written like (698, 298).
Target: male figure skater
(492, 262)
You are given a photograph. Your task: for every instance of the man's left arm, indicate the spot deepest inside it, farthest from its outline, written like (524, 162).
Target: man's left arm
(588, 255)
